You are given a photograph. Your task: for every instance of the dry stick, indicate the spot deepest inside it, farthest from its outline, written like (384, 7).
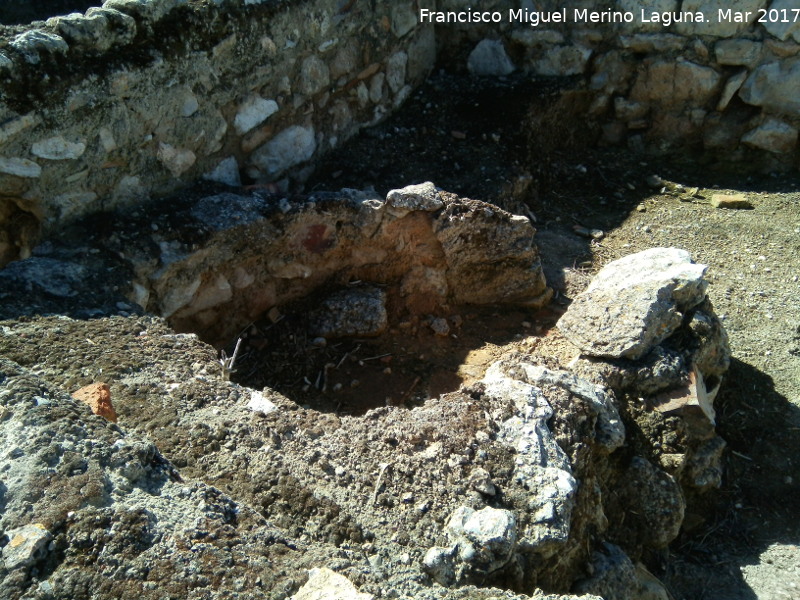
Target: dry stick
(317, 382)
(235, 353)
(405, 396)
(527, 209)
(346, 354)
(377, 357)
(228, 363)
(740, 455)
(325, 370)
(384, 466)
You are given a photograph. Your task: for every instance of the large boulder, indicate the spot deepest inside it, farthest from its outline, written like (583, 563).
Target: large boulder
(634, 303)
(775, 87)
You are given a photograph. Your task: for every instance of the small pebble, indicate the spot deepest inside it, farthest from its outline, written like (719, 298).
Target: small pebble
(440, 326)
(654, 181)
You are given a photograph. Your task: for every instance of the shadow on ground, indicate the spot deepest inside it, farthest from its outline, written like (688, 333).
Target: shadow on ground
(759, 504)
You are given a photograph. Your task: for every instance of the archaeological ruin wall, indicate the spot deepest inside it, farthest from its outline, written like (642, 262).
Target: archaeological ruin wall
(662, 73)
(137, 98)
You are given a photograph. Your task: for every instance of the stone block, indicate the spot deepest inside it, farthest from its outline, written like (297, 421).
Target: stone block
(773, 136)
(774, 86)
(634, 303)
(738, 52)
(489, 59)
(713, 26)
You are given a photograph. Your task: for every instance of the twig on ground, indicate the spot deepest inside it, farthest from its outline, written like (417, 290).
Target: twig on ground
(384, 466)
(228, 363)
(377, 357)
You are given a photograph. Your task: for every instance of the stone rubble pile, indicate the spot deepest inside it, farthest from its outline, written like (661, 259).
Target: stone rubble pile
(646, 329)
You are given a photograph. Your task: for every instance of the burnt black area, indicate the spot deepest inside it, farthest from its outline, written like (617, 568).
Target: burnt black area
(20, 12)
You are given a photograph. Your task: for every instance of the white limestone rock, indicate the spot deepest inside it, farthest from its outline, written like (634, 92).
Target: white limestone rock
(58, 148)
(176, 160)
(403, 18)
(121, 28)
(90, 31)
(780, 29)
(253, 112)
(18, 124)
(21, 167)
(732, 86)
(35, 42)
(227, 172)
(672, 83)
(422, 196)
(396, 71)
(774, 86)
(649, 7)
(714, 26)
(737, 52)
(773, 136)
(324, 584)
(653, 43)
(24, 545)
(292, 146)
(562, 60)
(480, 543)
(634, 303)
(489, 59)
(260, 404)
(541, 465)
(314, 75)
(421, 54)
(351, 312)
(490, 531)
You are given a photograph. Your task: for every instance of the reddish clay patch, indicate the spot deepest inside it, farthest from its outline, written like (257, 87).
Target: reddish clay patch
(98, 397)
(317, 239)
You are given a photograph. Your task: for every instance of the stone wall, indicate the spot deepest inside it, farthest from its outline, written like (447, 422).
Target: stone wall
(138, 98)
(663, 80)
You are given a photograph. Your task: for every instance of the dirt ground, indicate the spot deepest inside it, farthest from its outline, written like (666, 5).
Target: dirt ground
(482, 140)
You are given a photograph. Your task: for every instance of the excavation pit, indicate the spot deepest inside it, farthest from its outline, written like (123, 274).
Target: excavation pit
(405, 366)
(108, 113)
